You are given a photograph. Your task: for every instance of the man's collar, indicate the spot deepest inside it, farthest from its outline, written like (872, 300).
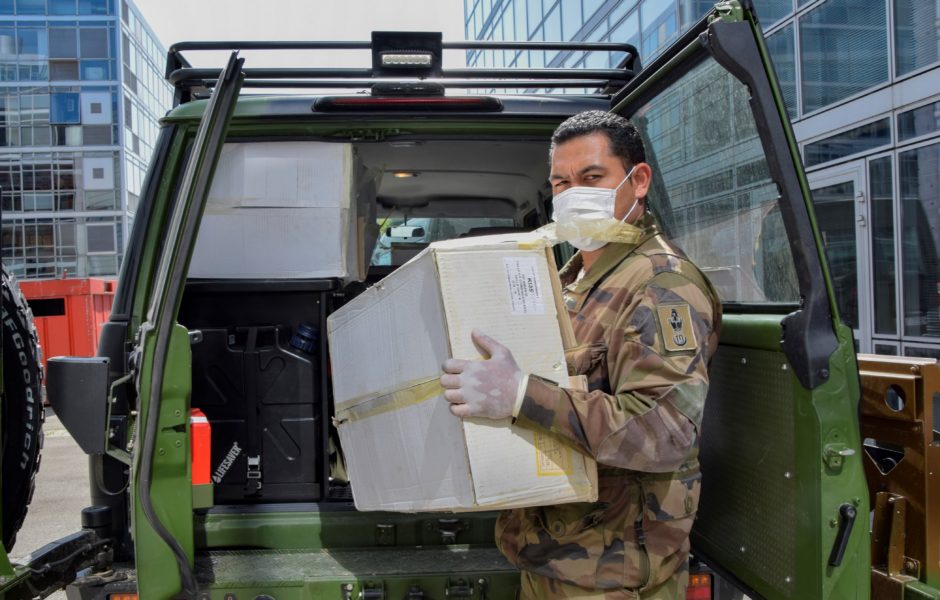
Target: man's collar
(612, 255)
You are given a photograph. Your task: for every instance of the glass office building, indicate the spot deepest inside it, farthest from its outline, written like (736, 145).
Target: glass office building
(861, 80)
(81, 90)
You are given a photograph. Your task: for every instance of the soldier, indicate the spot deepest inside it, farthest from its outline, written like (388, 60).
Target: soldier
(646, 321)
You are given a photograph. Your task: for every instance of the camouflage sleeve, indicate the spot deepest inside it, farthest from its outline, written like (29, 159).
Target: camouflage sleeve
(657, 360)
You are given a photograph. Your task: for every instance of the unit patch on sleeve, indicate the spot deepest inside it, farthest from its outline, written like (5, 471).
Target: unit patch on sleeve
(675, 322)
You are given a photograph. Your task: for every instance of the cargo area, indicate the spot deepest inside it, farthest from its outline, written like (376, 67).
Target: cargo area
(367, 208)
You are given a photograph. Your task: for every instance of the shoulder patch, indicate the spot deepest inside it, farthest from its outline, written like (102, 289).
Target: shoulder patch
(675, 322)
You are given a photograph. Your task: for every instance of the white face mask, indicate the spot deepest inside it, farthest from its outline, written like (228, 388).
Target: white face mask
(583, 215)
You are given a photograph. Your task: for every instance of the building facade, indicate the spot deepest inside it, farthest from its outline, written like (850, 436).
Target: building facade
(81, 90)
(861, 81)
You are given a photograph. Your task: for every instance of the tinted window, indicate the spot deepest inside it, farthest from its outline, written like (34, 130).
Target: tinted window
(716, 199)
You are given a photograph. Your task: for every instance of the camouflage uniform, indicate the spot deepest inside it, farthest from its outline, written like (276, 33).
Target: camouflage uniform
(646, 320)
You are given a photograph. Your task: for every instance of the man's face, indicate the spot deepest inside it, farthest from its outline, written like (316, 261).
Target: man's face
(586, 161)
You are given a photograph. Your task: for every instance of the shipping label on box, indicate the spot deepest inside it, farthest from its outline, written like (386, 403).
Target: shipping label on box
(404, 450)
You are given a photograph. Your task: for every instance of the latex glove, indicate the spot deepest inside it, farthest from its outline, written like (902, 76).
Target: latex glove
(482, 388)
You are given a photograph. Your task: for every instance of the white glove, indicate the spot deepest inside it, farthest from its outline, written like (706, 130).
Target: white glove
(482, 388)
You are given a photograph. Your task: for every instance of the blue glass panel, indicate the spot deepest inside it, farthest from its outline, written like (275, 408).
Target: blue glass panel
(920, 249)
(771, 11)
(882, 245)
(919, 121)
(30, 7)
(783, 54)
(570, 17)
(94, 70)
(590, 7)
(6, 7)
(94, 7)
(916, 35)
(847, 143)
(843, 50)
(534, 10)
(659, 26)
(65, 109)
(62, 7)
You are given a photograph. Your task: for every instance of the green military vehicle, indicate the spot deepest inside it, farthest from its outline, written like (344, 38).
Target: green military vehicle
(261, 215)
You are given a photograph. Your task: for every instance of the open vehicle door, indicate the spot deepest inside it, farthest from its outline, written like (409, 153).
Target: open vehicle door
(783, 480)
(164, 531)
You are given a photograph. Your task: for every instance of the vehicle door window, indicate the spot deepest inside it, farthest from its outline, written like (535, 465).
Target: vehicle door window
(714, 194)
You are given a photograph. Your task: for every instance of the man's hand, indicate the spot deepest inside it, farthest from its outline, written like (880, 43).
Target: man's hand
(482, 388)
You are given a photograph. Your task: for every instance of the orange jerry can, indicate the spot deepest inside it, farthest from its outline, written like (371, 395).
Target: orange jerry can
(200, 444)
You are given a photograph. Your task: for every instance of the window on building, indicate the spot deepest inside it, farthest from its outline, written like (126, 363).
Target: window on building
(62, 7)
(861, 139)
(30, 7)
(63, 70)
(65, 109)
(919, 121)
(590, 7)
(94, 7)
(93, 42)
(32, 43)
(94, 70)
(627, 32)
(534, 11)
(919, 174)
(659, 25)
(843, 50)
(63, 42)
(882, 245)
(916, 34)
(101, 238)
(571, 17)
(782, 53)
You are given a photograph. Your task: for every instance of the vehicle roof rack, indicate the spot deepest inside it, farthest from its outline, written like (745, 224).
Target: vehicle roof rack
(400, 59)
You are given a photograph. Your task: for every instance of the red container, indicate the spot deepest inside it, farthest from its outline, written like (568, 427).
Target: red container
(69, 313)
(200, 437)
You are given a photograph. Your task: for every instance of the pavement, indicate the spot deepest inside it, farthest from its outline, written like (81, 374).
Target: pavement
(61, 493)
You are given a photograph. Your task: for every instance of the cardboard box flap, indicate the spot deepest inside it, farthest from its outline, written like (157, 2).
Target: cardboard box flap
(430, 470)
(367, 335)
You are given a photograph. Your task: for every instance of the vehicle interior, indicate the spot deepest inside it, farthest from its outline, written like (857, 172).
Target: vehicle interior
(266, 396)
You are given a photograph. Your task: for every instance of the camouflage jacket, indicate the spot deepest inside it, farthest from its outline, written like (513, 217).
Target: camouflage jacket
(646, 320)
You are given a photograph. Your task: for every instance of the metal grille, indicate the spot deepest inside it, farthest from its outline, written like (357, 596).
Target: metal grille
(747, 517)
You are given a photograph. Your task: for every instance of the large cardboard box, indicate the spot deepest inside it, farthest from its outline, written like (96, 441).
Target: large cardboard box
(404, 449)
(284, 210)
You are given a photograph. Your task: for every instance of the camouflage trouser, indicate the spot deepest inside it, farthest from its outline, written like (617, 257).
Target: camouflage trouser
(537, 587)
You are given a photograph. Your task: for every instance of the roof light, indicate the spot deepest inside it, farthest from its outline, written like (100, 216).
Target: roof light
(404, 174)
(407, 60)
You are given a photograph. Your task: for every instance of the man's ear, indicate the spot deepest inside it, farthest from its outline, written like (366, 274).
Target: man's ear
(642, 179)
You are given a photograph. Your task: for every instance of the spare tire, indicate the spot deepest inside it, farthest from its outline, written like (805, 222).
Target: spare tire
(22, 410)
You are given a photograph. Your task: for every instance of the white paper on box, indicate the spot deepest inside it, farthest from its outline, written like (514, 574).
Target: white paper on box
(387, 346)
(525, 289)
(280, 210)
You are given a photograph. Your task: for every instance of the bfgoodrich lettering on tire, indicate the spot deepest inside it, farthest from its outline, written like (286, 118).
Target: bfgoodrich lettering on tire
(22, 408)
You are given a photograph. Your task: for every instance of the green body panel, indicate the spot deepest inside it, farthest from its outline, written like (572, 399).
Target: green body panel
(161, 208)
(172, 492)
(768, 512)
(337, 529)
(917, 590)
(480, 572)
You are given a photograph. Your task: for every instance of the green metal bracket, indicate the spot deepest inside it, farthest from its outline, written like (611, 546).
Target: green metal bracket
(834, 455)
(729, 11)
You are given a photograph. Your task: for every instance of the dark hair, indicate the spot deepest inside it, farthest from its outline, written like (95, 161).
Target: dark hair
(625, 141)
